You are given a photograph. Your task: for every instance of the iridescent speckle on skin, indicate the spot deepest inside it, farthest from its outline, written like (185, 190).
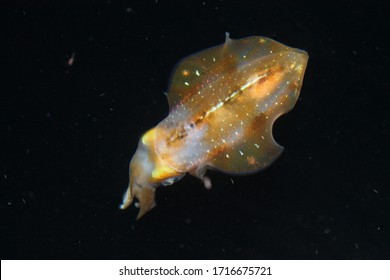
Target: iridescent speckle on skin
(223, 102)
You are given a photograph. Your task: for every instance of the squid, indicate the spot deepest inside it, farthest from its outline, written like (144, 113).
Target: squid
(223, 103)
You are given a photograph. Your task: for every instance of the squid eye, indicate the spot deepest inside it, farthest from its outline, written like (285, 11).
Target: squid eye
(172, 180)
(168, 182)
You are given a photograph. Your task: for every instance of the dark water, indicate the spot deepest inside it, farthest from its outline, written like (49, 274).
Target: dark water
(69, 132)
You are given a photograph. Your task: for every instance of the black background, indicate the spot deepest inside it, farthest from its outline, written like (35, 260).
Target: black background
(70, 131)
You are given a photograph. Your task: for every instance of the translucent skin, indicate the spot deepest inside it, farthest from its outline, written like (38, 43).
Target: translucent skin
(223, 103)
